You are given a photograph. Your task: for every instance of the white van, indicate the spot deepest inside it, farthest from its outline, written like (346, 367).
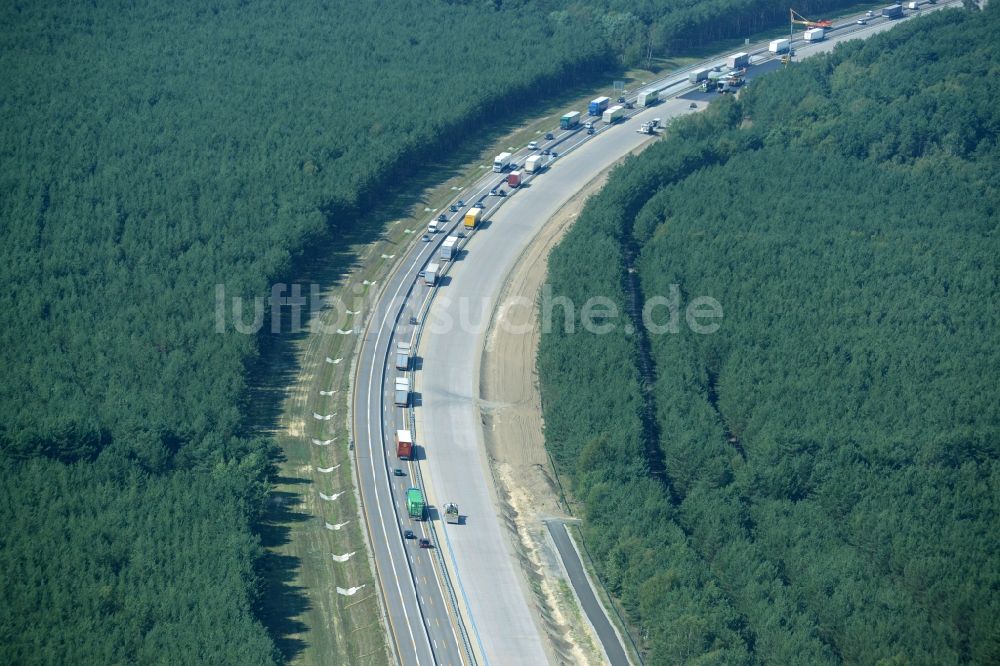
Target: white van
(432, 227)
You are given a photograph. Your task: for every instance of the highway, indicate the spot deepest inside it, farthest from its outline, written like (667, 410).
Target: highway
(465, 599)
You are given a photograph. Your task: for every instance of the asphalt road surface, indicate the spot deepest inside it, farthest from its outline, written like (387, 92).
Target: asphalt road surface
(472, 566)
(613, 650)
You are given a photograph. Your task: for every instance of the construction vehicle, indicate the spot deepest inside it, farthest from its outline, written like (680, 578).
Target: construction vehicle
(415, 503)
(451, 513)
(799, 19)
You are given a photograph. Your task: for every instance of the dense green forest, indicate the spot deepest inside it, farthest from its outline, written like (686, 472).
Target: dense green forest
(640, 29)
(818, 481)
(152, 151)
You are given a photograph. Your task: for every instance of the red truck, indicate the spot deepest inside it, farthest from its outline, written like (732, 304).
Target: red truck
(514, 179)
(404, 445)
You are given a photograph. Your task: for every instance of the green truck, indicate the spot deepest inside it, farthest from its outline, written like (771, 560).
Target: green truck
(415, 503)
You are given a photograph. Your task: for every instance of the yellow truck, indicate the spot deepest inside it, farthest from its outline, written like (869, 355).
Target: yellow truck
(472, 217)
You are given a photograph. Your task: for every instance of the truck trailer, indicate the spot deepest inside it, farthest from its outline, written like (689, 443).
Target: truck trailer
(402, 397)
(697, 75)
(448, 247)
(570, 120)
(738, 60)
(647, 98)
(613, 115)
(404, 445)
(415, 503)
(514, 179)
(472, 217)
(892, 11)
(501, 162)
(431, 273)
(597, 106)
(778, 46)
(403, 356)
(815, 35)
(533, 164)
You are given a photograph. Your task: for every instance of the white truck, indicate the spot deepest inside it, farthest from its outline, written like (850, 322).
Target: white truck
(778, 46)
(738, 60)
(647, 98)
(613, 115)
(403, 356)
(501, 162)
(533, 164)
(815, 34)
(402, 392)
(448, 247)
(431, 273)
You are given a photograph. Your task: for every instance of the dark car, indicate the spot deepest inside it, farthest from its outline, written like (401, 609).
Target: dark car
(442, 218)
(590, 130)
(408, 534)
(478, 204)
(460, 203)
(546, 152)
(460, 234)
(554, 154)
(398, 472)
(549, 136)
(453, 208)
(692, 106)
(629, 105)
(621, 99)
(501, 193)
(425, 543)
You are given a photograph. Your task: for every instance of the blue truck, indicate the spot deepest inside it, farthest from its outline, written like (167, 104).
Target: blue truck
(598, 106)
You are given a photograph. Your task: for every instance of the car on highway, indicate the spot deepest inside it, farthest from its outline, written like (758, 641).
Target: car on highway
(629, 105)
(621, 99)
(554, 154)
(478, 204)
(398, 472)
(442, 218)
(501, 193)
(546, 152)
(453, 208)
(425, 543)
(869, 13)
(532, 145)
(692, 105)
(425, 238)
(460, 203)
(460, 234)
(549, 136)
(408, 534)
(590, 130)
(862, 22)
